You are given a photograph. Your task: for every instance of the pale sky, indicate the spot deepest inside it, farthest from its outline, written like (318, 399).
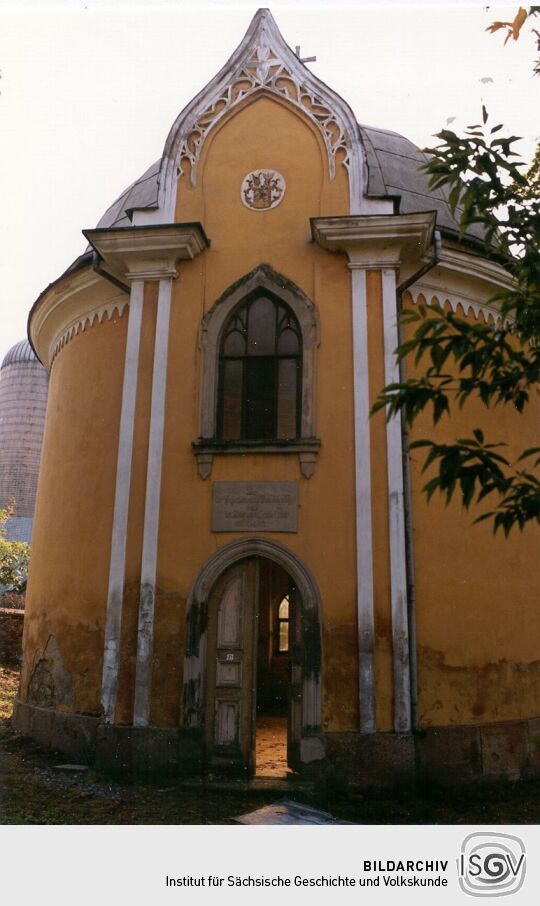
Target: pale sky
(89, 91)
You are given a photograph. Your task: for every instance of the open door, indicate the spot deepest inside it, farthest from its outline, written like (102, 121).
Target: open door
(249, 659)
(296, 653)
(230, 690)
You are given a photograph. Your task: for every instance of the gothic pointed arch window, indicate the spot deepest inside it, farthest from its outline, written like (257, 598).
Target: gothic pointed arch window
(260, 372)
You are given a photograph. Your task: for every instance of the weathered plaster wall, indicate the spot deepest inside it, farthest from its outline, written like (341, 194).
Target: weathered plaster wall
(67, 591)
(128, 647)
(477, 619)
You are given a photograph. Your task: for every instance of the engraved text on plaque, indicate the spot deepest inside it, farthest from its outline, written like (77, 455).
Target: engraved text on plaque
(246, 506)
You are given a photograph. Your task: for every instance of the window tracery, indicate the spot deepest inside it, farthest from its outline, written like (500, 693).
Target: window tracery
(258, 372)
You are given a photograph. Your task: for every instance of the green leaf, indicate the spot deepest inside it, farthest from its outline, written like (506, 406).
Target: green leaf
(495, 364)
(530, 451)
(430, 487)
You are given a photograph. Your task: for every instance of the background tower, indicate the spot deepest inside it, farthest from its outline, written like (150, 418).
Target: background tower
(23, 402)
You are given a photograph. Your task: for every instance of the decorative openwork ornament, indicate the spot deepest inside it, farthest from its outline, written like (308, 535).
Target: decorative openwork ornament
(262, 189)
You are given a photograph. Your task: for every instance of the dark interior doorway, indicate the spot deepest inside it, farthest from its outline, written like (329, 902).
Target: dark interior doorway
(275, 612)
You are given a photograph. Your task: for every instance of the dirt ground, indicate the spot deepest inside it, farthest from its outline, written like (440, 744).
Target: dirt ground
(271, 747)
(34, 790)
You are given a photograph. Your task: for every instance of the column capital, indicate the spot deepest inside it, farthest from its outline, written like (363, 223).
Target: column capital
(149, 252)
(378, 241)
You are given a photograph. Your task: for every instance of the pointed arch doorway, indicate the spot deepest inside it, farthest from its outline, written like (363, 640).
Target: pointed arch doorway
(253, 649)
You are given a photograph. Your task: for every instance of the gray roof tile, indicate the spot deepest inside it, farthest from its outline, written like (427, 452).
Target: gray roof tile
(394, 166)
(140, 194)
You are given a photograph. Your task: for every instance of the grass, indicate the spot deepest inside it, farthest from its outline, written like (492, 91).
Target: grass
(9, 681)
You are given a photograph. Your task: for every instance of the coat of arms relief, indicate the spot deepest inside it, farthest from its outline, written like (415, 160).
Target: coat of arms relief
(262, 189)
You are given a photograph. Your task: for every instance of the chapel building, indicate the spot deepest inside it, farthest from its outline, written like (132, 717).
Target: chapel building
(222, 535)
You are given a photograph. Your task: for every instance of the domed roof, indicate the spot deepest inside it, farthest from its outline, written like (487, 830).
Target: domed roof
(140, 194)
(21, 352)
(393, 164)
(393, 172)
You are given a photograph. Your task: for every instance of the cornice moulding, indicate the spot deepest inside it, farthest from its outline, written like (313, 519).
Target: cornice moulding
(376, 240)
(466, 279)
(475, 266)
(70, 306)
(431, 292)
(147, 253)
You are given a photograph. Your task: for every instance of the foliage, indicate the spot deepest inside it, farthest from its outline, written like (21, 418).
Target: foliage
(532, 187)
(498, 364)
(513, 29)
(14, 557)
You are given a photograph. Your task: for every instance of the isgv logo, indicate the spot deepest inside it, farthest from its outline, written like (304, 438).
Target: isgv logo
(491, 865)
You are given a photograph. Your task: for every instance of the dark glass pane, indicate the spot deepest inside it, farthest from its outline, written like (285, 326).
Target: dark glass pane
(261, 368)
(287, 398)
(262, 327)
(288, 343)
(235, 344)
(231, 427)
(260, 398)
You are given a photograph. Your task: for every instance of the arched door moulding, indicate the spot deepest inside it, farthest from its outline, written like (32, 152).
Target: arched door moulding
(311, 743)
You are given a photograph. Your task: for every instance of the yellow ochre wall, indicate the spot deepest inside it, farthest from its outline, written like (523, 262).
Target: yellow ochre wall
(263, 134)
(67, 591)
(476, 612)
(478, 631)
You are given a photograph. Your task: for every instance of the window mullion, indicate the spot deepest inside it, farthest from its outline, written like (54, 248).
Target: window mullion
(243, 408)
(275, 401)
(260, 369)
(298, 395)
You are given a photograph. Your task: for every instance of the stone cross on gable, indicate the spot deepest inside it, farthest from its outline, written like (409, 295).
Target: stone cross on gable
(304, 59)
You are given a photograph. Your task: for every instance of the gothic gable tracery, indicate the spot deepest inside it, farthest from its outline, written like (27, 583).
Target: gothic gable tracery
(265, 69)
(262, 64)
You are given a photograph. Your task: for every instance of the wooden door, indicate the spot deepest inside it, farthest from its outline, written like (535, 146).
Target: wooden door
(230, 688)
(296, 655)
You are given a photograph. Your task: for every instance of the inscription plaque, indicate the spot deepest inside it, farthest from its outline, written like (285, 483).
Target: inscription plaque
(246, 506)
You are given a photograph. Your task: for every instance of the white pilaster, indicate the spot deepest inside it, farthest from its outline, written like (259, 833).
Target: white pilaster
(364, 540)
(140, 254)
(387, 243)
(115, 594)
(145, 639)
(396, 517)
